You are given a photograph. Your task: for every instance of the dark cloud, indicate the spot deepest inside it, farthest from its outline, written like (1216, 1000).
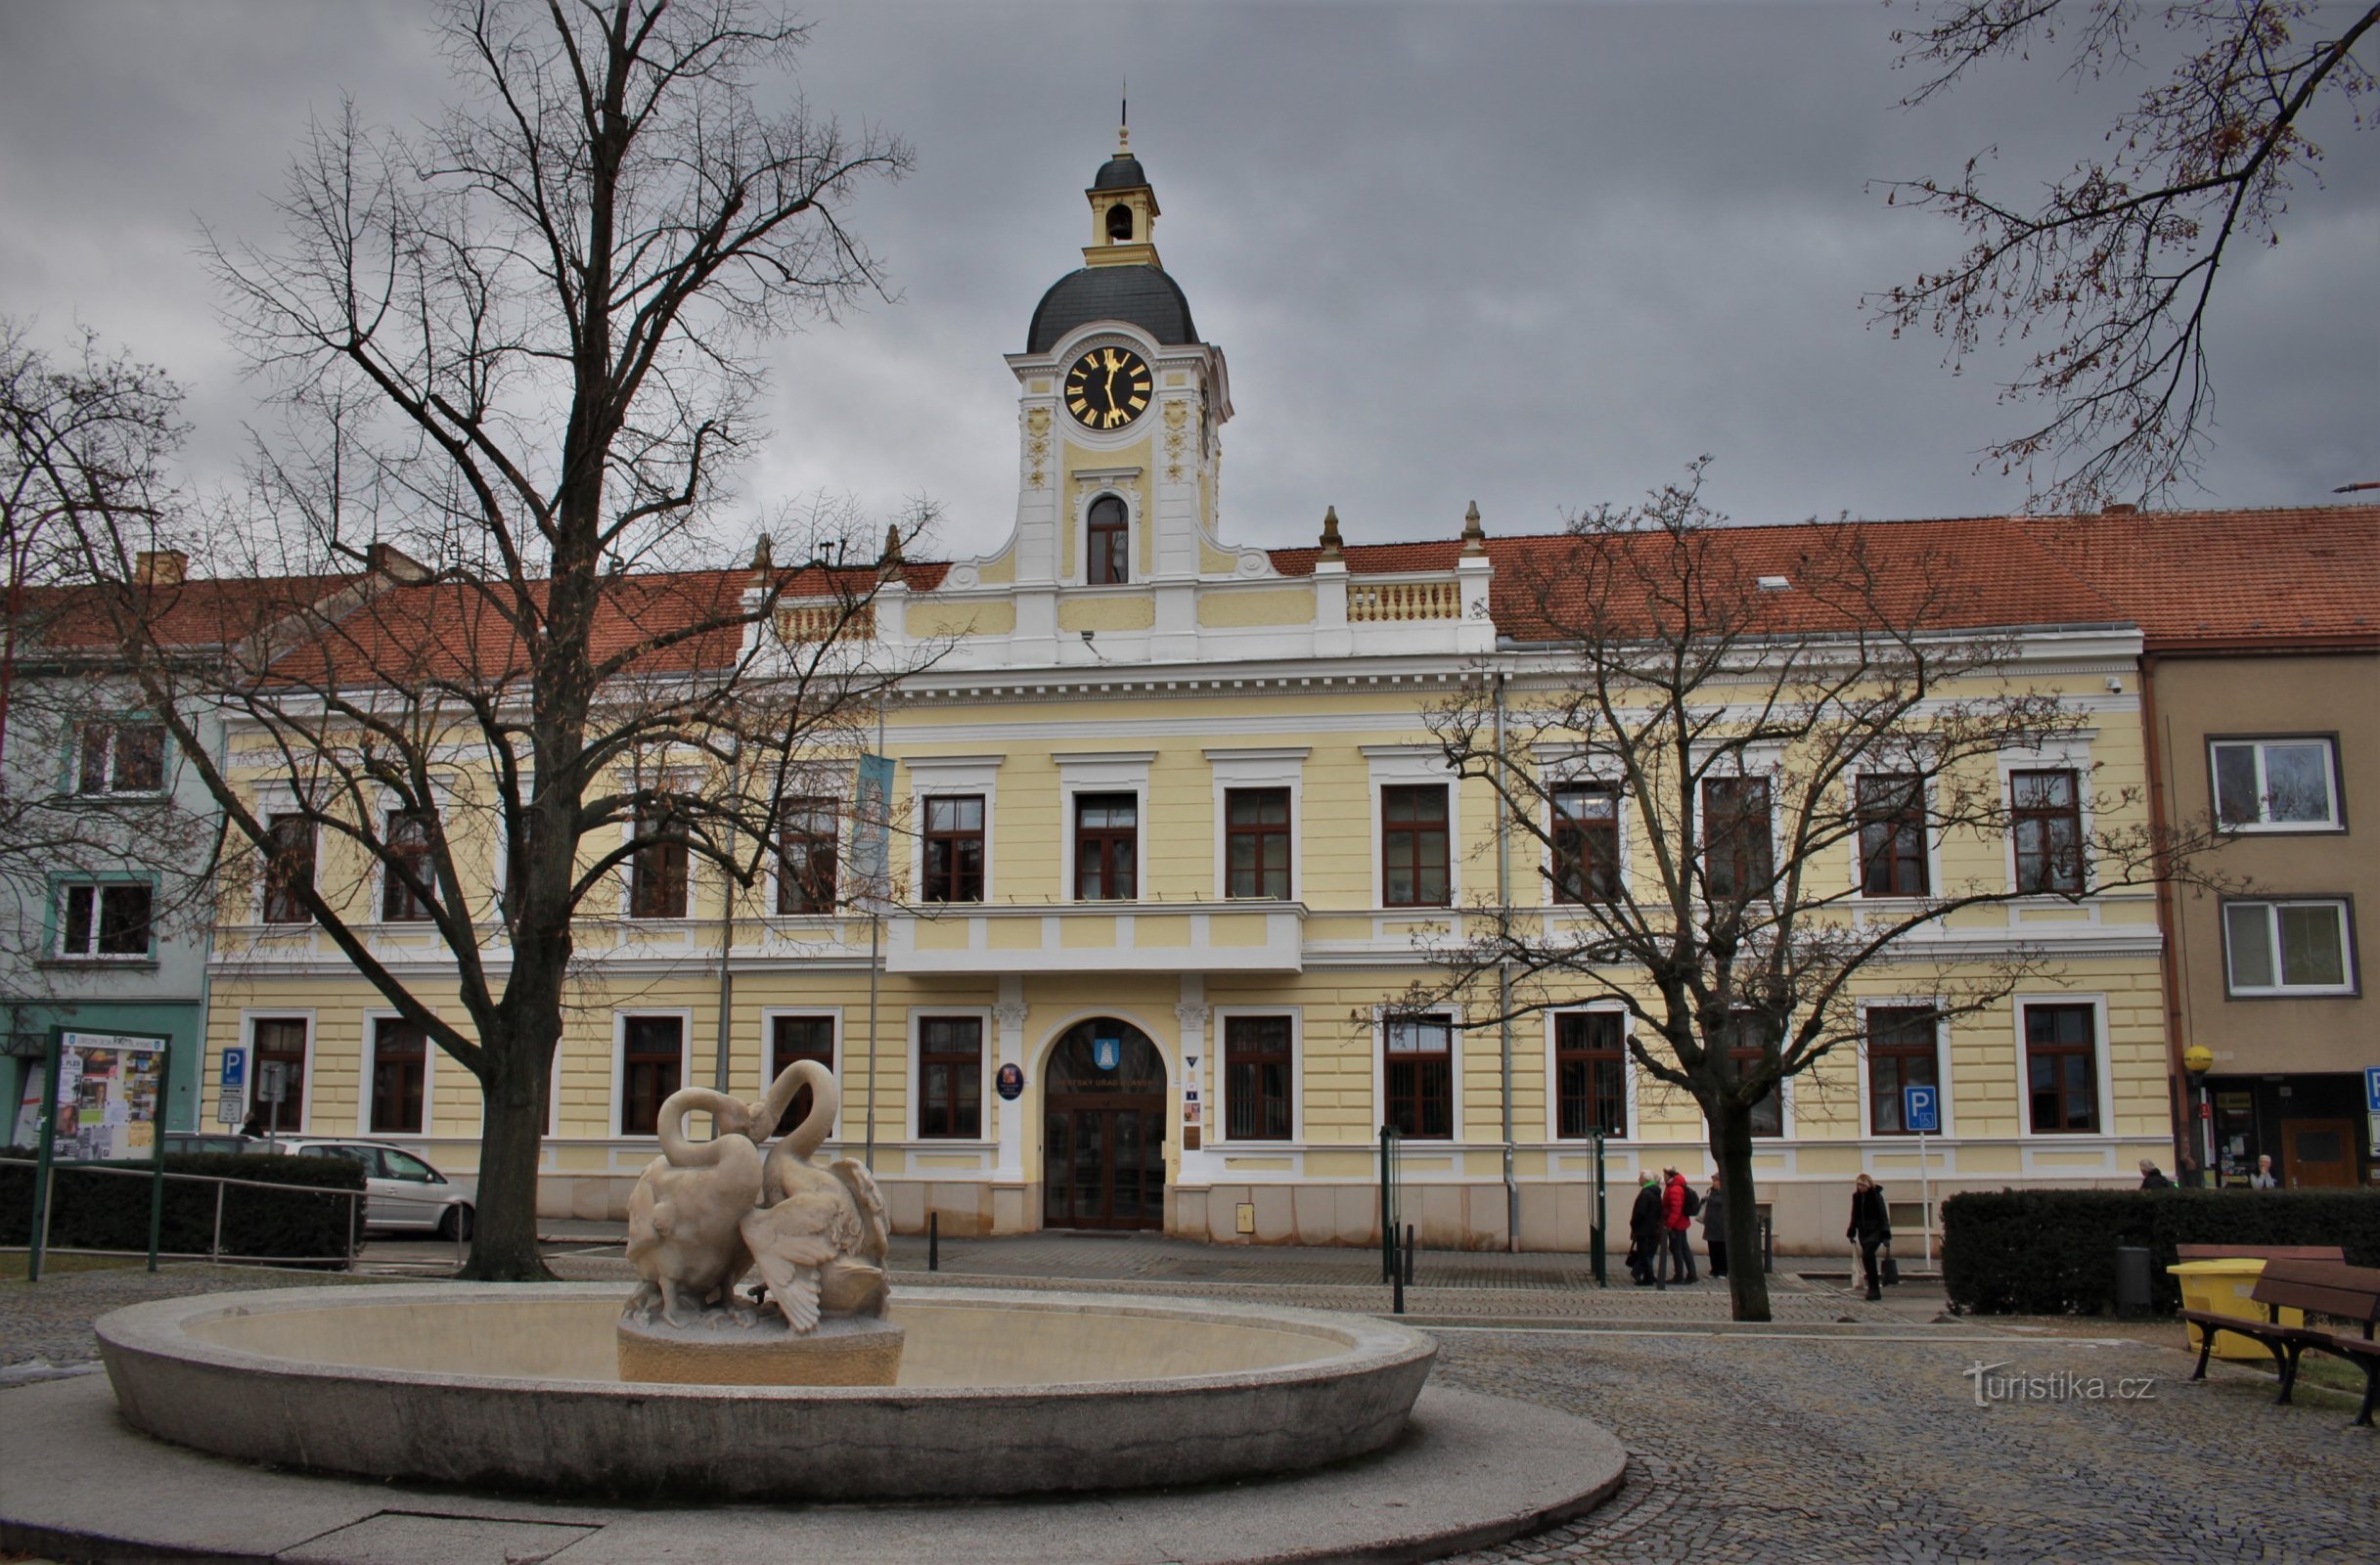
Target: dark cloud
(1536, 255)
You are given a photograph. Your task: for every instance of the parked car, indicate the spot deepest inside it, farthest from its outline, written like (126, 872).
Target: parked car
(401, 1191)
(194, 1141)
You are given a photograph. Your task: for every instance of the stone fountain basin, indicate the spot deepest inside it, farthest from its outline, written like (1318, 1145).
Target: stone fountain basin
(513, 1386)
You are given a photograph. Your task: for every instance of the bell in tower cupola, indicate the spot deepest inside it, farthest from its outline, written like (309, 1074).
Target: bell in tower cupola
(1123, 211)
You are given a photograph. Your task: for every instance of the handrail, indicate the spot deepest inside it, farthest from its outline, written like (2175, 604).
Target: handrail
(355, 1198)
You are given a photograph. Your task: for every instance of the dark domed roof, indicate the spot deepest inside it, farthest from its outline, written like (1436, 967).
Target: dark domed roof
(1119, 173)
(1140, 295)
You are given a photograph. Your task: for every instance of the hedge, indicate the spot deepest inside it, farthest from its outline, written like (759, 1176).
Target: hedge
(2053, 1252)
(108, 1212)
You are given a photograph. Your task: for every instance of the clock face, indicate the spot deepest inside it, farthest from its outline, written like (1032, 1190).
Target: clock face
(1108, 389)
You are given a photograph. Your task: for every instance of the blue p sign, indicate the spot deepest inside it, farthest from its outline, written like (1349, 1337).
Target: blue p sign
(2371, 1088)
(1921, 1108)
(235, 1067)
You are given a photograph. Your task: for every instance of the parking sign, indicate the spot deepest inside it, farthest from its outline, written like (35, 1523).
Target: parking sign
(2371, 1088)
(1921, 1108)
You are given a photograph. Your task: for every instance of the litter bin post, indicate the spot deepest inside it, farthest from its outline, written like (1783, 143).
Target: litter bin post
(2132, 1279)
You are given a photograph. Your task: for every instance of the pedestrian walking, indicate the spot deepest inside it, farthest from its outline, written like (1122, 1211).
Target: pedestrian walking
(2264, 1179)
(1678, 1207)
(2153, 1178)
(1715, 1227)
(1871, 1227)
(1645, 1232)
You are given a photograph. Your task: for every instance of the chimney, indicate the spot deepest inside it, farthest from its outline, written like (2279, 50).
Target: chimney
(160, 568)
(389, 560)
(2119, 509)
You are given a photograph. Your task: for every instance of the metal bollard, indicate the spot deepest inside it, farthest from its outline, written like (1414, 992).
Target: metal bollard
(1395, 1276)
(933, 1241)
(1408, 1255)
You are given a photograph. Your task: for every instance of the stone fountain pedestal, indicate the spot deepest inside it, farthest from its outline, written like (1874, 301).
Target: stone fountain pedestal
(712, 1349)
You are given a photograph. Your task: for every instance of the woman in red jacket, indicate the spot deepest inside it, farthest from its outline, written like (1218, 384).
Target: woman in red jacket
(1674, 1219)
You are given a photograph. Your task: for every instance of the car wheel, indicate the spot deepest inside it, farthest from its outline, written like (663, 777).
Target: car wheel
(455, 1223)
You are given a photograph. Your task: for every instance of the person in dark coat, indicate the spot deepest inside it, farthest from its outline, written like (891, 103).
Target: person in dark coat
(2152, 1178)
(1871, 1224)
(1715, 1227)
(1645, 1234)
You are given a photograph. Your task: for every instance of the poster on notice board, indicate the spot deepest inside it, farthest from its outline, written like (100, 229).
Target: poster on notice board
(111, 1089)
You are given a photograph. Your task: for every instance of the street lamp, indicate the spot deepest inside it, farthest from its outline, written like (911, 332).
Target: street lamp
(2197, 1060)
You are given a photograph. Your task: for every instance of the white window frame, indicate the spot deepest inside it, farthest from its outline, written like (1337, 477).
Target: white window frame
(1787, 1127)
(844, 828)
(65, 886)
(768, 1044)
(627, 879)
(109, 789)
(1456, 1016)
(1268, 767)
(1764, 761)
(2070, 754)
(619, 1059)
(1928, 805)
(2279, 990)
(2259, 827)
(365, 1056)
(1415, 765)
(1941, 1066)
(988, 1129)
(1218, 1129)
(2101, 1059)
(250, 1017)
(937, 777)
(1091, 772)
(1105, 484)
(1628, 1076)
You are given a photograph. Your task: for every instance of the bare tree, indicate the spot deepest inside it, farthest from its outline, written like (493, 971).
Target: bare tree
(2116, 266)
(1785, 720)
(517, 353)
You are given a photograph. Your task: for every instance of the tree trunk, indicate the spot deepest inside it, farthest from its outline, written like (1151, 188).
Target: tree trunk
(1732, 1144)
(512, 1099)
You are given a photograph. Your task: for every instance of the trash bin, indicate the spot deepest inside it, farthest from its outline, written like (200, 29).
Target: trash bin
(2132, 1262)
(2223, 1286)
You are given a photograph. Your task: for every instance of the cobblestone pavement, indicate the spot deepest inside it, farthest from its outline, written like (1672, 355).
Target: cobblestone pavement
(1763, 1449)
(49, 1323)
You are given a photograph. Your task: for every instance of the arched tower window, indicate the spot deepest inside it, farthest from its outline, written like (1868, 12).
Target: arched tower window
(1119, 223)
(1110, 543)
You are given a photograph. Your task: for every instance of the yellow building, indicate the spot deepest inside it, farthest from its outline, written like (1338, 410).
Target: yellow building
(1175, 829)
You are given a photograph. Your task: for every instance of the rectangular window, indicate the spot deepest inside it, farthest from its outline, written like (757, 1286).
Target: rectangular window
(278, 1041)
(1746, 1051)
(653, 1065)
(1585, 842)
(400, 1069)
(1256, 1068)
(407, 838)
(1420, 1077)
(1106, 846)
(806, 834)
(657, 871)
(288, 869)
(104, 920)
(1256, 842)
(792, 1038)
(950, 1061)
(1901, 1054)
(954, 848)
(1590, 1088)
(2288, 947)
(2276, 784)
(1414, 846)
(1739, 849)
(2046, 814)
(1892, 837)
(121, 758)
(2062, 1068)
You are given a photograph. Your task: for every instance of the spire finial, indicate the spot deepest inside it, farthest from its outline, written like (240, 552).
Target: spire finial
(1123, 122)
(1475, 536)
(764, 558)
(892, 545)
(1330, 532)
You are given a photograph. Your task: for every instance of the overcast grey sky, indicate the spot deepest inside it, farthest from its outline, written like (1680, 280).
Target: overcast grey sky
(1537, 255)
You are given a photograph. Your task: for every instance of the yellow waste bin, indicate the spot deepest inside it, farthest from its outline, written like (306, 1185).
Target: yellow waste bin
(2221, 1286)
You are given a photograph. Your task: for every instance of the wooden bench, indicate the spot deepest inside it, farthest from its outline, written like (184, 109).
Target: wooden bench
(2318, 1287)
(2261, 1252)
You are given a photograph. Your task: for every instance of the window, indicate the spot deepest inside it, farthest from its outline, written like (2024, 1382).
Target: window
(2062, 1068)
(1738, 854)
(288, 867)
(950, 1065)
(1745, 1051)
(1892, 837)
(1412, 845)
(407, 838)
(104, 920)
(121, 758)
(2276, 784)
(1106, 835)
(792, 1038)
(1256, 1077)
(278, 1041)
(653, 1061)
(657, 868)
(2287, 948)
(1420, 1077)
(1256, 842)
(2047, 816)
(1900, 1054)
(806, 831)
(1110, 538)
(1585, 842)
(954, 848)
(400, 1069)
(1589, 1091)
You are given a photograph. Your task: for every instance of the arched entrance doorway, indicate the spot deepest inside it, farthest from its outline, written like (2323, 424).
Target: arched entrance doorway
(1103, 1128)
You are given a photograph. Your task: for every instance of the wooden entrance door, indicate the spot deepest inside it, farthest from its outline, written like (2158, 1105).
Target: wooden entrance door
(2318, 1152)
(1104, 1130)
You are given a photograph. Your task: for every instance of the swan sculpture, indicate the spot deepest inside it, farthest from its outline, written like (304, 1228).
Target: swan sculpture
(818, 1237)
(684, 1216)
